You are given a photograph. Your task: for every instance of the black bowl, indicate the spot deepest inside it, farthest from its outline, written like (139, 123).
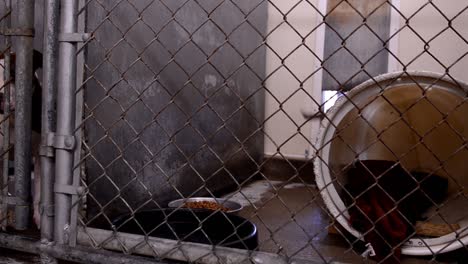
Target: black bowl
(216, 228)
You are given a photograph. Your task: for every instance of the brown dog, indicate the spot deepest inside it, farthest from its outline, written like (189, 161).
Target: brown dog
(385, 202)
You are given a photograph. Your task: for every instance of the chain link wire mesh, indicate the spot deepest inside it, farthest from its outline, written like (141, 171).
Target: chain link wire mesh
(182, 98)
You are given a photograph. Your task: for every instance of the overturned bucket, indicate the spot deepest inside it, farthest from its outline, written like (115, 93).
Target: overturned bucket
(418, 119)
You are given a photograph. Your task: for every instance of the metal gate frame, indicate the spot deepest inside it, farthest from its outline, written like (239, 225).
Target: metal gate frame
(22, 123)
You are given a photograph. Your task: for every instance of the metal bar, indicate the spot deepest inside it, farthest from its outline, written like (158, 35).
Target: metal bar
(51, 15)
(48, 112)
(78, 133)
(176, 250)
(74, 254)
(65, 118)
(23, 95)
(6, 125)
(74, 37)
(18, 32)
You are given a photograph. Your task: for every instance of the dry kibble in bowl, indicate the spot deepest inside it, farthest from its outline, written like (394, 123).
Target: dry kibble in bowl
(206, 205)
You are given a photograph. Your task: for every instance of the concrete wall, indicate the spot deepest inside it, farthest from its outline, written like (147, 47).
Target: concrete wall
(177, 120)
(365, 54)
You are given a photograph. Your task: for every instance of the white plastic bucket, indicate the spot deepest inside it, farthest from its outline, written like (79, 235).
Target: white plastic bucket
(419, 138)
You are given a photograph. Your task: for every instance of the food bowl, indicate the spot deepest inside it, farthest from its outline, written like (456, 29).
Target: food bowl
(198, 226)
(232, 207)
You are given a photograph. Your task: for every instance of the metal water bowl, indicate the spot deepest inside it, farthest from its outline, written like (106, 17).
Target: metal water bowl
(197, 226)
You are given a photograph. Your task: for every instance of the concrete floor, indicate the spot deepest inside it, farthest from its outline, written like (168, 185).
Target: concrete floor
(14, 257)
(270, 205)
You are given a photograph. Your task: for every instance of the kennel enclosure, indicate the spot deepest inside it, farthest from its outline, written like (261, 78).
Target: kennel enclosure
(145, 102)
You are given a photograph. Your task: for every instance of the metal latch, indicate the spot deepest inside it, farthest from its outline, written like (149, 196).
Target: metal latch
(47, 210)
(312, 114)
(68, 189)
(73, 37)
(26, 32)
(369, 252)
(12, 200)
(66, 142)
(53, 141)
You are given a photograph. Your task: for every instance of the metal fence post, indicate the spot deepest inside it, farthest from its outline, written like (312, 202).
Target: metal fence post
(6, 125)
(51, 17)
(65, 119)
(23, 93)
(48, 115)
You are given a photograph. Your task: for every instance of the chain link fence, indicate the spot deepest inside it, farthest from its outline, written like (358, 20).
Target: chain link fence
(324, 130)
(174, 98)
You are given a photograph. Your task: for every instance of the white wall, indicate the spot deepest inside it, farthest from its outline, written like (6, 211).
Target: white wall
(447, 48)
(281, 127)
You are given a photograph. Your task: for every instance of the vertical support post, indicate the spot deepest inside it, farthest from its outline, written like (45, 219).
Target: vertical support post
(65, 119)
(51, 29)
(48, 116)
(80, 60)
(23, 95)
(6, 123)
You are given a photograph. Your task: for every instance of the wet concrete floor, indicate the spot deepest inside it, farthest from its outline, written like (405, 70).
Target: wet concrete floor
(270, 205)
(291, 221)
